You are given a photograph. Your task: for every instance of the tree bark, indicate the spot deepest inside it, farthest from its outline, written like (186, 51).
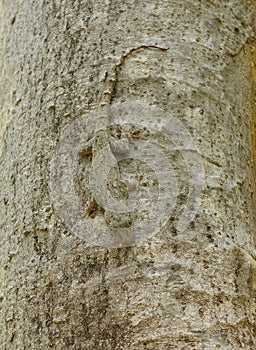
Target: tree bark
(174, 289)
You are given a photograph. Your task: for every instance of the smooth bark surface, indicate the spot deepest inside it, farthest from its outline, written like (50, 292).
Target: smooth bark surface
(189, 290)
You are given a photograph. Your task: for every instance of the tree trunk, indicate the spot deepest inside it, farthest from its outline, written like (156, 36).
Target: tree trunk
(175, 268)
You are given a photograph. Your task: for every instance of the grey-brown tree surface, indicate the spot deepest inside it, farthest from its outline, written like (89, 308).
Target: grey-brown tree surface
(127, 174)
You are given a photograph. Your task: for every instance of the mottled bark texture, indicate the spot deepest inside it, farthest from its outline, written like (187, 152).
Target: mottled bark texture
(194, 290)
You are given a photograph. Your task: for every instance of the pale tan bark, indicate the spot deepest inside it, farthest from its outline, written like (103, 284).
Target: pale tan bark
(194, 290)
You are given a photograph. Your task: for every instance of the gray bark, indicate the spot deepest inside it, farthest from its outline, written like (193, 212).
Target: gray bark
(193, 289)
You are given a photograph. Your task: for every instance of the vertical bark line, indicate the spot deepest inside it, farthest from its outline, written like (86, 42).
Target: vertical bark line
(194, 290)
